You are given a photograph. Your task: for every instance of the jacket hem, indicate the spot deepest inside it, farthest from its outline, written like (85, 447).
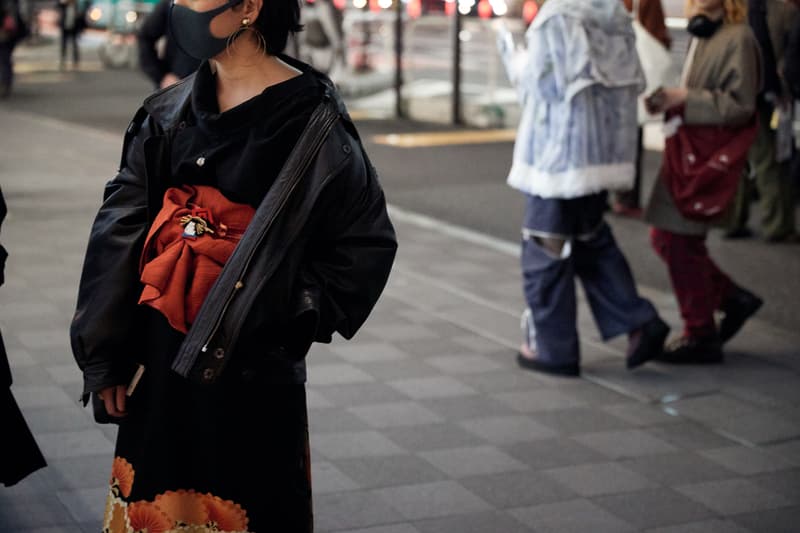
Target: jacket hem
(573, 183)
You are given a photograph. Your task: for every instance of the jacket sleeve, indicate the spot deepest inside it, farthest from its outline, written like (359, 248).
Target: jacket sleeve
(349, 260)
(105, 322)
(153, 28)
(733, 101)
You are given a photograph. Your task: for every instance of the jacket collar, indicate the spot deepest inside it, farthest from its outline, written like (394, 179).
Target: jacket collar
(167, 105)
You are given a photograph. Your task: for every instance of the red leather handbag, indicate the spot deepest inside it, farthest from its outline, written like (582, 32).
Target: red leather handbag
(702, 165)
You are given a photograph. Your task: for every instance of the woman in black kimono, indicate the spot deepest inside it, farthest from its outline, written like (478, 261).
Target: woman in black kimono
(21, 455)
(245, 223)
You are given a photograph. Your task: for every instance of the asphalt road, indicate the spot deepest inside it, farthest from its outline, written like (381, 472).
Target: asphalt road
(463, 185)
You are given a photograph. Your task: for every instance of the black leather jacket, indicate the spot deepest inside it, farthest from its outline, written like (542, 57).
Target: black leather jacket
(316, 267)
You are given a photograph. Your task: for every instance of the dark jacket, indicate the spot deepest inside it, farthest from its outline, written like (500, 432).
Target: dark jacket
(156, 26)
(317, 268)
(791, 71)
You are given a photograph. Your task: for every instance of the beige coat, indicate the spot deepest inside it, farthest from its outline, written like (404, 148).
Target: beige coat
(723, 83)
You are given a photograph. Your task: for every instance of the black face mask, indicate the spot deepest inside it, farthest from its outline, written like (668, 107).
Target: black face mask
(192, 33)
(703, 27)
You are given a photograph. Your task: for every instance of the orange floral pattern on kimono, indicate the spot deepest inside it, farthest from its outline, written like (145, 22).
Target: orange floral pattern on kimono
(180, 511)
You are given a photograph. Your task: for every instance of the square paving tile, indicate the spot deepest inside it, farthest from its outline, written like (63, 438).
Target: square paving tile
(363, 352)
(580, 420)
(690, 435)
(599, 479)
(747, 461)
(517, 489)
(678, 468)
(351, 510)
(760, 428)
(432, 387)
(85, 505)
(785, 482)
(625, 443)
(734, 496)
(334, 420)
(463, 364)
(411, 368)
(396, 414)
(326, 478)
(389, 471)
(775, 521)
(654, 508)
(19, 513)
(704, 526)
(473, 461)
(531, 401)
(461, 408)
(394, 528)
(31, 396)
(487, 522)
(355, 394)
(431, 437)
(430, 500)
(640, 414)
(573, 516)
(508, 429)
(552, 453)
(75, 444)
(336, 374)
(354, 444)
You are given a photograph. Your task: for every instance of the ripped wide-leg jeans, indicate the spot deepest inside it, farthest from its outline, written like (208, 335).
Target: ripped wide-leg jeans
(549, 286)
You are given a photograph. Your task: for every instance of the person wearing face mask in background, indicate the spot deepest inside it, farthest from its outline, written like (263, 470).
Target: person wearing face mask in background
(772, 22)
(245, 223)
(172, 64)
(720, 82)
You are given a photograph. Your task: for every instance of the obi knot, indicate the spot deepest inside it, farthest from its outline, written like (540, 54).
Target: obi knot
(192, 237)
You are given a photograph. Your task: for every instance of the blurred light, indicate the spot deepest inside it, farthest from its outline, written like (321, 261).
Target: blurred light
(499, 7)
(449, 7)
(469, 3)
(131, 16)
(359, 4)
(373, 5)
(414, 8)
(529, 11)
(340, 4)
(484, 9)
(464, 9)
(465, 36)
(95, 14)
(385, 4)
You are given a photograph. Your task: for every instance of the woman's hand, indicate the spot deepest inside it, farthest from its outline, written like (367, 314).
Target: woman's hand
(666, 99)
(114, 399)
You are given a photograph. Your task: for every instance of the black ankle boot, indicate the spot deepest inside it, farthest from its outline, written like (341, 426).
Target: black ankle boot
(646, 343)
(692, 351)
(738, 307)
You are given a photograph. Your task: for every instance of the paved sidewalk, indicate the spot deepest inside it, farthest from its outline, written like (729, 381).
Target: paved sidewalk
(423, 424)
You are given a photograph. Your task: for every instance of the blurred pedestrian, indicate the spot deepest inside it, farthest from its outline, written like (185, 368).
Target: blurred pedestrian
(21, 455)
(159, 57)
(245, 223)
(650, 14)
(576, 141)
(791, 73)
(772, 22)
(71, 22)
(716, 103)
(12, 30)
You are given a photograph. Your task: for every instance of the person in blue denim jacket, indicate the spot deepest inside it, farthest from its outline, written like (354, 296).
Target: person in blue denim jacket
(578, 85)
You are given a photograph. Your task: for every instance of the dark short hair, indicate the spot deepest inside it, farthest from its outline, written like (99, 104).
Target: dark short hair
(276, 20)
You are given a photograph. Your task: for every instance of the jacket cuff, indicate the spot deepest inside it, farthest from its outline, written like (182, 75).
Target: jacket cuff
(100, 375)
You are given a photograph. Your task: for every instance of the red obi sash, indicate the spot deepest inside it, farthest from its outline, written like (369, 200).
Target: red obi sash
(703, 165)
(192, 237)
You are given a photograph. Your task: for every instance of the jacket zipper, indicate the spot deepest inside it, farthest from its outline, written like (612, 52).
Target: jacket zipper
(240, 284)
